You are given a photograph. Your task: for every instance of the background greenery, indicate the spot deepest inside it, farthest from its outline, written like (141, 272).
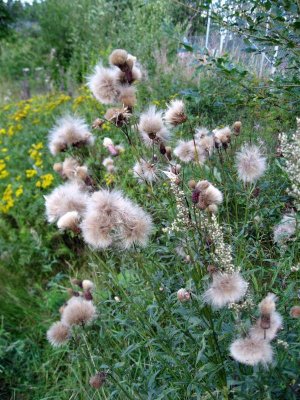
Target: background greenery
(155, 347)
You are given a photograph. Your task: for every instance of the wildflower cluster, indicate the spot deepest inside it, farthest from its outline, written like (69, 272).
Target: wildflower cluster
(290, 148)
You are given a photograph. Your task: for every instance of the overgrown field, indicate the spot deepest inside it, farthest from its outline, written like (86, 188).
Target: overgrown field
(150, 344)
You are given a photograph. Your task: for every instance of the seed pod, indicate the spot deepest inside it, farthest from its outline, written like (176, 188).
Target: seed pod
(265, 321)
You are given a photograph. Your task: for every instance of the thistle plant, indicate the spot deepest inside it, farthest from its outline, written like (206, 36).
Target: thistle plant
(180, 202)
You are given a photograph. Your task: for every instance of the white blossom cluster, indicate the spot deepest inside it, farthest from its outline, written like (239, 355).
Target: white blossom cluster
(222, 251)
(290, 148)
(182, 219)
(247, 304)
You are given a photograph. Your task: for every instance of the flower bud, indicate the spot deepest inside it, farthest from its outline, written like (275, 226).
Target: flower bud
(192, 184)
(183, 295)
(237, 128)
(295, 312)
(98, 380)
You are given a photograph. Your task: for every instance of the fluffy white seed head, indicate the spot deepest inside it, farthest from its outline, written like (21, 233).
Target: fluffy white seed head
(69, 131)
(188, 151)
(267, 305)
(63, 199)
(58, 334)
(225, 288)
(100, 218)
(250, 163)
(200, 133)
(136, 226)
(152, 128)
(206, 144)
(70, 220)
(145, 171)
(175, 114)
(127, 96)
(78, 312)
(285, 229)
(104, 84)
(251, 351)
(112, 218)
(222, 136)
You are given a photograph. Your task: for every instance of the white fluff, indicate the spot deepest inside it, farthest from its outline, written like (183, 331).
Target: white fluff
(250, 163)
(68, 131)
(67, 197)
(225, 288)
(251, 351)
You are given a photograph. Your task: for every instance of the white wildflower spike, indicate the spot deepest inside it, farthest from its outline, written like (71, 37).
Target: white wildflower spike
(290, 148)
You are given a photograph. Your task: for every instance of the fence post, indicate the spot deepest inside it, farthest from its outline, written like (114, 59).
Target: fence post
(208, 26)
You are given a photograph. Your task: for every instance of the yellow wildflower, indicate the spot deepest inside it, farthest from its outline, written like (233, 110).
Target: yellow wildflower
(45, 181)
(2, 131)
(3, 172)
(19, 191)
(7, 201)
(109, 179)
(156, 102)
(30, 173)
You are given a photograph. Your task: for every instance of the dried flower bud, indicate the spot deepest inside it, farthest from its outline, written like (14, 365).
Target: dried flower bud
(88, 295)
(192, 184)
(76, 282)
(295, 312)
(58, 167)
(212, 269)
(176, 169)
(183, 295)
(118, 57)
(195, 196)
(237, 128)
(255, 192)
(98, 380)
(72, 293)
(169, 153)
(97, 124)
(162, 148)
